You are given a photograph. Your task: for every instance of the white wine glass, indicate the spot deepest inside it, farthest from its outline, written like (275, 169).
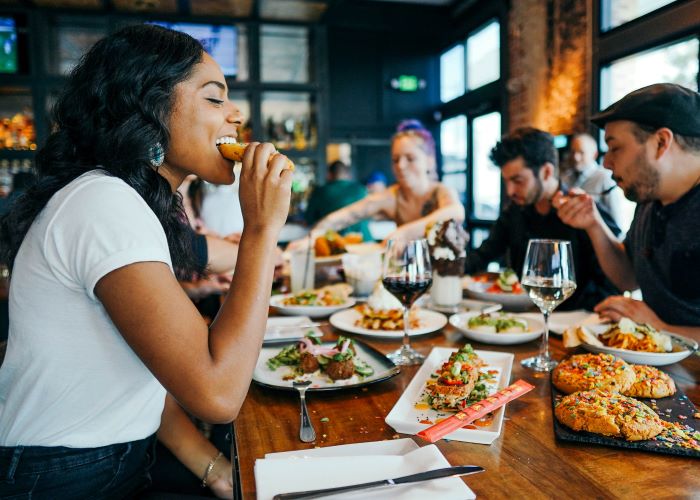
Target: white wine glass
(549, 279)
(407, 275)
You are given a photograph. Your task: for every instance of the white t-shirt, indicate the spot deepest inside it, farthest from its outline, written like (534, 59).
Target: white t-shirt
(69, 378)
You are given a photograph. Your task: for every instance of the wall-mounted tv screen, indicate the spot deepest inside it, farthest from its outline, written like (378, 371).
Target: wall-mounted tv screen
(219, 41)
(8, 45)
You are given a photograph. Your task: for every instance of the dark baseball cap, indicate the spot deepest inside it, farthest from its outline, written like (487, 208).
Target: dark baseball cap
(659, 105)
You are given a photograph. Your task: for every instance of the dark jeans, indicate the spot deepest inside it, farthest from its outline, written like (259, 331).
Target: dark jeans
(109, 472)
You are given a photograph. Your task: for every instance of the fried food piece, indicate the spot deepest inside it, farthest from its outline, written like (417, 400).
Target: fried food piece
(608, 414)
(340, 370)
(321, 247)
(583, 372)
(234, 151)
(650, 383)
(308, 362)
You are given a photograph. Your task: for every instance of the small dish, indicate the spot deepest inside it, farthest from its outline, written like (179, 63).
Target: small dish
(465, 305)
(461, 322)
(510, 301)
(682, 348)
(276, 301)
(288, 328)
(430, 321)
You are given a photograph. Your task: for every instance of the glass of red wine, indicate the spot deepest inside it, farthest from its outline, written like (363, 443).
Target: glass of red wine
(407, 275)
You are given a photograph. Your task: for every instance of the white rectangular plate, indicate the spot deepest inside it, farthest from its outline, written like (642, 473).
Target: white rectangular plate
(300, 473)
(405, 417)
(284, 328)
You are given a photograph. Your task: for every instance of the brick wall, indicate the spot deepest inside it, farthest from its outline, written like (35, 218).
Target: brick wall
(550, 64)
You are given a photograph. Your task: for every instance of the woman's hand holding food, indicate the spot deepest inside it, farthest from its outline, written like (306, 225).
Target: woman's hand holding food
(265, 188)
(617, 307)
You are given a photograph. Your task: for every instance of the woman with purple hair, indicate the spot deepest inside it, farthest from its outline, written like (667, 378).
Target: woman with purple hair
(415, 201)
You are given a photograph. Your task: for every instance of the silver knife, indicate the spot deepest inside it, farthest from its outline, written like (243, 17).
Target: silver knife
(412, 478)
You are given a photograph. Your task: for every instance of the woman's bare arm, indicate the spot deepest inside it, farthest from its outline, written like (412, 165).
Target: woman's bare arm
(179, 435)
(449, 207)
(365, 208)
(208, 371)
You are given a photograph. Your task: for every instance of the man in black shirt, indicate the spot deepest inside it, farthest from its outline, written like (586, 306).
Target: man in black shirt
(653, 137)
(528, 162)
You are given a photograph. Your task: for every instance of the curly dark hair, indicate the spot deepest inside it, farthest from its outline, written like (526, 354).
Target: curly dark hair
(115, 106)
(535, 146)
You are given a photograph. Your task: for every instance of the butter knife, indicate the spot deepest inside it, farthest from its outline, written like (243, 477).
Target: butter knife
(412, 478)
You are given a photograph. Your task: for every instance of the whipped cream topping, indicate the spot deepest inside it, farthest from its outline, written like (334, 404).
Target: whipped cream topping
(382, 300)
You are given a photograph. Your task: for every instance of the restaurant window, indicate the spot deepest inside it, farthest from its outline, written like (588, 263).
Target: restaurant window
(486, 132)
(673, 63)
(453, 148)
(285, 54)
(617, 12)
(452, 73)
(483, 56)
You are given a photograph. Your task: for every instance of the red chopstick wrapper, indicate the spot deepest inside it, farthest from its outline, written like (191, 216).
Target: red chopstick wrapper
(475, 411)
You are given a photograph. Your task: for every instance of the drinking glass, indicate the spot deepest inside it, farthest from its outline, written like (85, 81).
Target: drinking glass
(548, 277)
(407, 276)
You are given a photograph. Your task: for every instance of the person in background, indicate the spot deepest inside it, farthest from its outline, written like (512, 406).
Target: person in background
(413, 202)
(586, 174)
(653, 138)
(100, 330)
(376, 182)
(338, 191)
(528, 162)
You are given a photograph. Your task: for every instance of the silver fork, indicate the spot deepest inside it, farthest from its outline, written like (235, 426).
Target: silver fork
(306, 432)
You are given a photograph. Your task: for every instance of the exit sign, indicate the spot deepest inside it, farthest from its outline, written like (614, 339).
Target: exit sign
(407, 83)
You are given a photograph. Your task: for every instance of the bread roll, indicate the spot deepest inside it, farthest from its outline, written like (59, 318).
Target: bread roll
(234, 151)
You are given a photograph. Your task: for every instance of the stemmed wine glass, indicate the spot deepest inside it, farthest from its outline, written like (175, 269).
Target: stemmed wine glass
(407, 275)
(548, 278)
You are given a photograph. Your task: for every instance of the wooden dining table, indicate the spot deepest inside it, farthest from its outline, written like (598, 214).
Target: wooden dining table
(526, 461)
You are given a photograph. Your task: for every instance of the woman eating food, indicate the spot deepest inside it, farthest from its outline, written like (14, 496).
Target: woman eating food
(100, 330)
(413, 202)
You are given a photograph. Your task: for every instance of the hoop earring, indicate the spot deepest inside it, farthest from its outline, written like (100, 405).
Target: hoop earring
(156, 155)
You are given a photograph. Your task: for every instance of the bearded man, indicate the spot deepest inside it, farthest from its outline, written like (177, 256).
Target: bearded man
(528, 161)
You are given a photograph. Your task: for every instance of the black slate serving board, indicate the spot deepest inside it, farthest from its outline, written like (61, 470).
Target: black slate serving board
(678, 404)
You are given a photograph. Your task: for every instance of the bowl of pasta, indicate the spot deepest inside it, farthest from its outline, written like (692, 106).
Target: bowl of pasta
(633, 342)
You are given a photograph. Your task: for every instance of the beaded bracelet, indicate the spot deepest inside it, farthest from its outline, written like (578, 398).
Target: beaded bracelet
(210, 467)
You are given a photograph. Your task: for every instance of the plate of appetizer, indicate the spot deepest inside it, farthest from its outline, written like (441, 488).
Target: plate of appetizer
(497, 328)
(315, 303)
(329, 366)
(635, 343)
(448, 381)
(505, 290)
(388, 324)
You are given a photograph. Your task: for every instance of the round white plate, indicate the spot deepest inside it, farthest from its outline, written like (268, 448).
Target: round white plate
(430, 321)
(510, 301)
(682, 348)
(465, 305)
(461, 322)
(310, 311)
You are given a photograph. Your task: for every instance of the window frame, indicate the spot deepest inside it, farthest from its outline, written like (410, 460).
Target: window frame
(668, 24)
(491, 97)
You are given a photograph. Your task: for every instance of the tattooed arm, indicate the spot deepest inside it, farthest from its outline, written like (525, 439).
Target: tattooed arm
(366, 208)
(448, 207)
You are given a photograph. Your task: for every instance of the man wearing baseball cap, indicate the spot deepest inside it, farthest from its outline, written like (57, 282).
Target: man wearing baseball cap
(653, 138)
